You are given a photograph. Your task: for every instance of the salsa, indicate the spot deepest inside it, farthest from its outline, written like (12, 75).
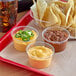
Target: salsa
(57, 37)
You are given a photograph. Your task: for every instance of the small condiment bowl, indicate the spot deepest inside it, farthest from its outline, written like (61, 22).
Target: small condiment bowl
(20, 45)
(58, 45)
(38, 62)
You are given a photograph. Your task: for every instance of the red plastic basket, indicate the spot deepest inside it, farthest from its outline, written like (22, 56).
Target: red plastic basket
(6, 39)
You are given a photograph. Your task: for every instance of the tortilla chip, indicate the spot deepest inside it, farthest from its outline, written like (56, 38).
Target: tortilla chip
(70, 21)
(50, 17)
(75, 18)
(71, 2)
(57, 15)
(72, 31)
(74, 22)
(48, 1)
(73, 25)
(62, 15)
(41, 5)
(59, 19)
(75, 10)
(34, 10)
(61, 3)
(68, 13)
(74, 2)
(63, 6)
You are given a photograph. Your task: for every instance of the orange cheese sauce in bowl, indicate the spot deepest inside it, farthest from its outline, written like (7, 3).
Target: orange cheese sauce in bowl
(19, 44)
(40, 54)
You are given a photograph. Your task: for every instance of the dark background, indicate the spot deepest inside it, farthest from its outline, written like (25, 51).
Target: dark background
(24, 5)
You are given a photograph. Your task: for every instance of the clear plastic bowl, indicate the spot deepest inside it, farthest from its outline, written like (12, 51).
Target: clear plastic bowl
(37, 62)
(59, 46)
(19, 44)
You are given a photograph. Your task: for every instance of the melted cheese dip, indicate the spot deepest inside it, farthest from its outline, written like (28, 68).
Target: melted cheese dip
(21, 45)
(40, 56)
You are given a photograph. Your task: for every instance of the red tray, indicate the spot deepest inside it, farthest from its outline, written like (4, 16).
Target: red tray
(6, 39)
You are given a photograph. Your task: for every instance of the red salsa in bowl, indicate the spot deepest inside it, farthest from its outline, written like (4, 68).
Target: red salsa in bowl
(56, 36)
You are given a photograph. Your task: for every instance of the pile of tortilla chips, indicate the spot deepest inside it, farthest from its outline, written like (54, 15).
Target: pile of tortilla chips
(56, 13)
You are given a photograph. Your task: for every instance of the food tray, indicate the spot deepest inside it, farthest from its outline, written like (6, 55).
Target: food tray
(63, 63)
(5, 42)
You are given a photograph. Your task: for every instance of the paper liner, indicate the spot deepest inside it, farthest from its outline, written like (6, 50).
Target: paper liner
(63, 63)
